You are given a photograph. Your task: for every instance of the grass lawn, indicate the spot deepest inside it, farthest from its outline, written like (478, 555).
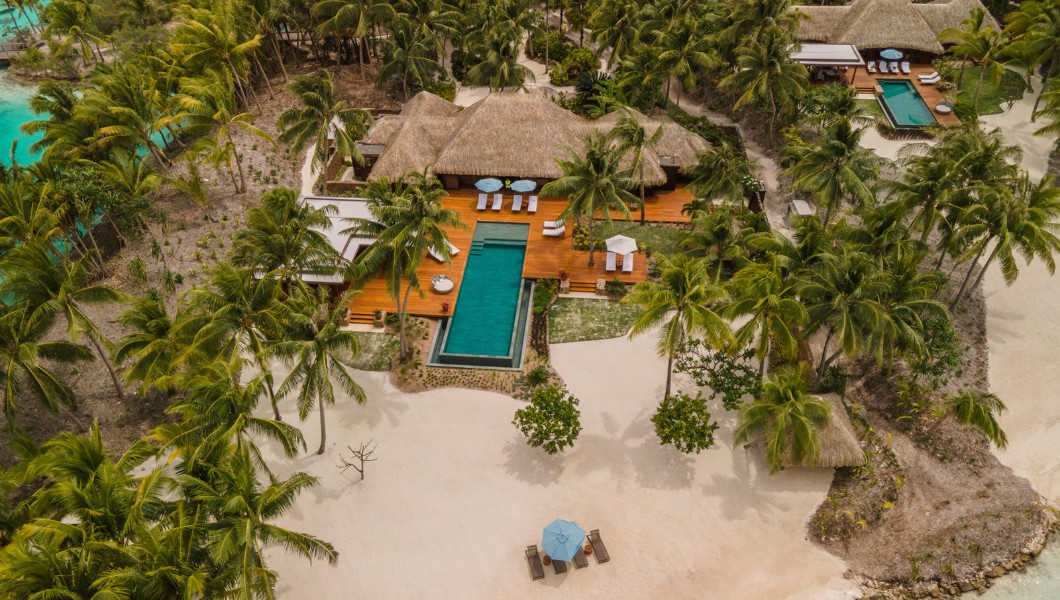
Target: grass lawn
(872, 107)
(991, 97)
(581, 320)
(664, 240)
(377, 351)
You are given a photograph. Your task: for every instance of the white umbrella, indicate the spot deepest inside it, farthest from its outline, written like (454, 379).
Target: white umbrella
(621, 244)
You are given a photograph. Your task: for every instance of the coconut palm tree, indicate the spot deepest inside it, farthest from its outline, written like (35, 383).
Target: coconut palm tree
(976, 41)
(154, 345)
(318, 351)
(498, 66)
(352, 18)
(767, 76)
(684, 303)
(1035, 31)
(978, 409)
(633, 140)
(408, 55)
(715, 237)
(23, 372)
(720, 172)
(69, 20)
(834, 167)
(321, 120)
(214, 36)
(616, 26)
(760, 292)
(682, 52)
(789, 419)
(595, 185)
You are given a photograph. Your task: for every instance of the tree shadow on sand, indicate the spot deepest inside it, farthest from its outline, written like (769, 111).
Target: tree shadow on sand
(634, 450)
(531, 465)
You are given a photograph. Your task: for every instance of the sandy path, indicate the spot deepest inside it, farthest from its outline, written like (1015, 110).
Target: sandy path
(456, 496)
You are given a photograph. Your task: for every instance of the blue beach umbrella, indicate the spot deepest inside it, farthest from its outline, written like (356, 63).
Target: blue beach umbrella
(489, 184)
(524, 185)
(562, 539)
(891, 54)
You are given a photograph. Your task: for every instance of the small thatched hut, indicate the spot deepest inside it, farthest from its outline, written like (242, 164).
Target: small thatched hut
(509, 134)
(878, 24)
(839, 443)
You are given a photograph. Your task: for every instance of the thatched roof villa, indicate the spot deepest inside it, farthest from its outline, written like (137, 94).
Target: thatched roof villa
(516, 135)
(839, 443)
(878, 24)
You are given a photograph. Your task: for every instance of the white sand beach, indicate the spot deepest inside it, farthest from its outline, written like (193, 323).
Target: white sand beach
(456, 496)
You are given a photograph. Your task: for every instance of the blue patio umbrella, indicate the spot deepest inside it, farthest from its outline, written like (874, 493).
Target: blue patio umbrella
(891, 54)
(489, 184)
(523, 185)
(562, 539)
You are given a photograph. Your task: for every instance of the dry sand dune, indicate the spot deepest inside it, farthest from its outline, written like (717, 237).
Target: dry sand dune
(456, 496)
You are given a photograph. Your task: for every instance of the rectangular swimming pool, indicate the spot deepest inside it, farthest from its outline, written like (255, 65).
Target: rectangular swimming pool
(487, 327)
(903, 105)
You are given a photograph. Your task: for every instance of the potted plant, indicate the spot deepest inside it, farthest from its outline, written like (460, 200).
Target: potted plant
(588, 549)
(379, 318)
(546, 560)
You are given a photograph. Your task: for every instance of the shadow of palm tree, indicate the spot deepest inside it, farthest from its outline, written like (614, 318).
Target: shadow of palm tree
(531, 465)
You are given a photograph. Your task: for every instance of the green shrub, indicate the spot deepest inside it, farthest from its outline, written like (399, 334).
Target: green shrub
(580, 61)
(684, 422)
(615, 288)
(445, 89)
(551, 421)
(542, 298)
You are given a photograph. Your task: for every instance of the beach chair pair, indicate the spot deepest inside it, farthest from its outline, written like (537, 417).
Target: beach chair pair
(453, 251)
(930, 79)
(554, 228)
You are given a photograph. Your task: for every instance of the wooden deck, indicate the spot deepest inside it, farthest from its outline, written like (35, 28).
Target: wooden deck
(545, 257)
(862, 80)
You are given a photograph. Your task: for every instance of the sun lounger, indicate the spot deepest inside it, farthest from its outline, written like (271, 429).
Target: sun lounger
(883, 67)
(498, 200)
(627, 263)
(932, 75)
(560, 566)
(531, 206)
(870, 66)
(483, 199)
(610, 265)
(905, 68)
(517, 204)
(453, 251)
(894, 67)
(931, 81)
(553, 224)
(599, 549)
(580, 561)
(533, 559)
(559, 232)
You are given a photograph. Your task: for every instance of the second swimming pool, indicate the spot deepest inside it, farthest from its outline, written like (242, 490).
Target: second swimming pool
(903, 105)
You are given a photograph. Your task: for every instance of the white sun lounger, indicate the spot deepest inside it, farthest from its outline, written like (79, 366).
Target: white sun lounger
(483, 199)
(870, 66)
(627, 263)
(531, 206)
(453, 251)
(498, 200)
(894, 67)
(553, 224)
(611, 264)
(905, 68)
(517, 205)
(931, 81)
(932, 75)
(883, 67)
(554, 232)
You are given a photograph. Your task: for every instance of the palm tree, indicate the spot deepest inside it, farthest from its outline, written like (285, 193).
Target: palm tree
(154, 345)
(407, 221)
(616, 26)
(352, 18)
(23, 372)
(595, 185)
(682, 51)
(834, 167)
(50, 289)
(714, 236)
(766, 75)
(633, 139)
(760, 292)
(318, 351)
(130, 172)
(835, 102)
(975, 41)
(321, 120)
(1035, 32)
(206, 107)
(788, 418)
(683, 302)
(498, 66)
(408, 55)
(241, 509)
(977, 409)
(216, 36)
(70, 20)
(928, 185)
(721, 172)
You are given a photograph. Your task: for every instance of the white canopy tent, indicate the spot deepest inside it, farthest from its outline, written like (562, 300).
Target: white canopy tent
(831, 56)
(345, 245)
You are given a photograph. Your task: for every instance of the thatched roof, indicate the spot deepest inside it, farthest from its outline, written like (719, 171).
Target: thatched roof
(509, 134)
(839, 444)
(871, 24)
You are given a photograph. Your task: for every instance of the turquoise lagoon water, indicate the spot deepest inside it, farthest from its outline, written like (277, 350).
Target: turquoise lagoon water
(1040, 582)
(903, 104)
(14, 111)
(486, 309)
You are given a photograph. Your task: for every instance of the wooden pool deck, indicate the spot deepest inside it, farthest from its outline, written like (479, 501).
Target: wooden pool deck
(865, 82)
(545, 256)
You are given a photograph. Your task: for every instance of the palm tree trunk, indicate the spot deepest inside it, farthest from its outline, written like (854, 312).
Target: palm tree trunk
(824, 354)
(402, 309)
(592, 242)
(765, 357)
(967, 276)
(279, 57)
(1048, 74)
(95, 244)
(239, 166)
(264, 75)
(642, 212)
(975, 98)
(993, 255)
(323, 428)
(361, 56)
(669, 372)
(110, 369)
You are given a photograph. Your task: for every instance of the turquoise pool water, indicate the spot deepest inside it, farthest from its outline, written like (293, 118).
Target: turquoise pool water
(903, 104)
(14, 111)
(486, 309)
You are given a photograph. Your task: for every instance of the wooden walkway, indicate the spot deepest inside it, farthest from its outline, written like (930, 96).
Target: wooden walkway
(545, 256)
(862, 80)
(9, 50)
